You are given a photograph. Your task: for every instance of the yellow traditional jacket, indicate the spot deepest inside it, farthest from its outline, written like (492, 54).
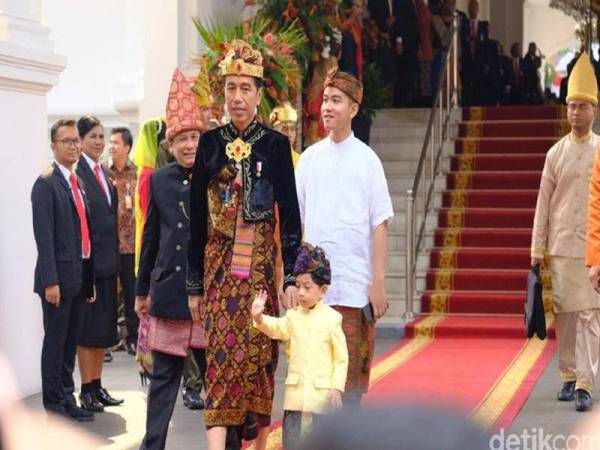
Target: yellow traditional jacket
(317, 355)
(559, 226)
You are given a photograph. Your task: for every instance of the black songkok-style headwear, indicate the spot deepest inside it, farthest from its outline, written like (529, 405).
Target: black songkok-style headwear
(311, 259)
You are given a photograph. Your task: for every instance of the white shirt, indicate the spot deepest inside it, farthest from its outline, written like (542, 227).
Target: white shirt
(343, 196)
(104, 186)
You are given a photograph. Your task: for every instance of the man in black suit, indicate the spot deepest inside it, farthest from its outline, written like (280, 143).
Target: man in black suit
(474, 35)
(163, 269)
(63, 273)
(99, 328)
(397, 22)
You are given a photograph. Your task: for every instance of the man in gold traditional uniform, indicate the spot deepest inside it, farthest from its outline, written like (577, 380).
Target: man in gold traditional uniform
(559, 229)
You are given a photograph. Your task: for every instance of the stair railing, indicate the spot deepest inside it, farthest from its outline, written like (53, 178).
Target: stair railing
(419, 197)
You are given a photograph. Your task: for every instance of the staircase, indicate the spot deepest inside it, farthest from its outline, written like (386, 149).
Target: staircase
(479, 259)
(397, 137)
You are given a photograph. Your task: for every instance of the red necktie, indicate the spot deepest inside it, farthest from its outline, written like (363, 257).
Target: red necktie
(473, 37)
(99, 178)
(83, 224)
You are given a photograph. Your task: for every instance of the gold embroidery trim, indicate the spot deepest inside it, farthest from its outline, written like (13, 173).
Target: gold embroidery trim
(476, 113)
(443, 279)
(455, 218)
(462, 180)
(466, 162)
(458, 199)
(439, 302)
(447, 258)
(470, 146)
(473, 129)
(238, 150)
(451, 238)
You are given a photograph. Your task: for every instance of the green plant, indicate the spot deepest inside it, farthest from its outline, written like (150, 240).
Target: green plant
(279, 47)
(377, 93)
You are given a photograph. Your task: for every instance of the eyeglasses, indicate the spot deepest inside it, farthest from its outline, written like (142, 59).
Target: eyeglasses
(69, 142)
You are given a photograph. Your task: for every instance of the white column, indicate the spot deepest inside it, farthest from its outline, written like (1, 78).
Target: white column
(28, 70)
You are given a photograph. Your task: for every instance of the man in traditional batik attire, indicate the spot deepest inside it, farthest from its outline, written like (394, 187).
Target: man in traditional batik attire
(242, 170)
(345, 207)
(161, 283)
(559, 231)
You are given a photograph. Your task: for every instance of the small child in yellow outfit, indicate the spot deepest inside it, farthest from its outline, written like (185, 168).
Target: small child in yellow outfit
(316, 346)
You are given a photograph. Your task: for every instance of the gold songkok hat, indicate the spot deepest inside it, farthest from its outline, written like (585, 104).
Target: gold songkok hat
(201, 87)
(346, 83)
(283, 113)
(242, 59)
(583, 85)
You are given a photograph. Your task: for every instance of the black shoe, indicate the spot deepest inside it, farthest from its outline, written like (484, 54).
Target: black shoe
(131, 348)
(583, 400)
(192, 399)
(79, 414)
(89, 402)
(106, 399)
(108, 357)
(567, 392)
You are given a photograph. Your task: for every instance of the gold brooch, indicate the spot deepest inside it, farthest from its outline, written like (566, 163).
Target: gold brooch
(238, 150)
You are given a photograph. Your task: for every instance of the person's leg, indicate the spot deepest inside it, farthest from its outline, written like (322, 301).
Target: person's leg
(586, 349)
(55, 333)
(566, 331)
(291, 429)
(127, 277)
(162, 396)
(192, 381)
(70, 350)
(216, 438)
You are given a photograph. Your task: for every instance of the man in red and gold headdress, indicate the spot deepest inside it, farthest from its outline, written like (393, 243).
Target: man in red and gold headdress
(242, 170)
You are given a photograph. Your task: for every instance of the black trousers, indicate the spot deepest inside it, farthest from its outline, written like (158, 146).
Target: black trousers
(127, 278)
(59, 348)
(162, 395)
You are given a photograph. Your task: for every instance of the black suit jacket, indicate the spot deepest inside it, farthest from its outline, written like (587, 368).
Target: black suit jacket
(163, 261)
(275, 184)
(483, 34)
(406, 25)
(57, 235)
(103, 222)
(379, 10)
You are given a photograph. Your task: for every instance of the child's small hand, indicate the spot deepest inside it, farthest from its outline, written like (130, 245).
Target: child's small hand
(334, 397)
(258, 306)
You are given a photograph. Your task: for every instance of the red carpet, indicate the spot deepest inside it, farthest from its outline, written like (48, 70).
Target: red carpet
(477, 358)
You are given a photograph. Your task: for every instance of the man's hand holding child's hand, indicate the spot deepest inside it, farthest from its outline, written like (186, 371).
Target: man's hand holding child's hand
(258, 306)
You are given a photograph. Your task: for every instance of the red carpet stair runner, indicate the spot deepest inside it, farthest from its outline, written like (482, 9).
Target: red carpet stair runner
(468, 347)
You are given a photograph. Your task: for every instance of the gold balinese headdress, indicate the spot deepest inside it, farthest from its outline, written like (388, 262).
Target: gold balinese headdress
(242, 59)
(582, 82)
(283, 113)
(201, 87)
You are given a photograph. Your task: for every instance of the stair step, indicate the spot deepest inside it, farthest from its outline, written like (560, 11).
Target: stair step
(487, 217)
(505, 145)
(514, 112)
(490, 198)
(474, 302)
(480, 258)
(476, 279)
(483, 237)
(516, 179)
(521, 128)
(480, 326)
(498, 162)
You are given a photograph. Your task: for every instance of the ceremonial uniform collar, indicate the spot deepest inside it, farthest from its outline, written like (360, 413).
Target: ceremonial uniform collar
(233, 132)
(581, 140)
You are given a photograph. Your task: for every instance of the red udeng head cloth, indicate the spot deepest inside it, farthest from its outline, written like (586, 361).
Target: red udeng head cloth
(182, 112)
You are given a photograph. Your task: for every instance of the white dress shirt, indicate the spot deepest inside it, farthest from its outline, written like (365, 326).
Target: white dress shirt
(103, 179)
(343, 196)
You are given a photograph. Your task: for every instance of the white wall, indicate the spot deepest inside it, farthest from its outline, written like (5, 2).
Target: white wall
(28, 69)
(549, 28)
(104, 44)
